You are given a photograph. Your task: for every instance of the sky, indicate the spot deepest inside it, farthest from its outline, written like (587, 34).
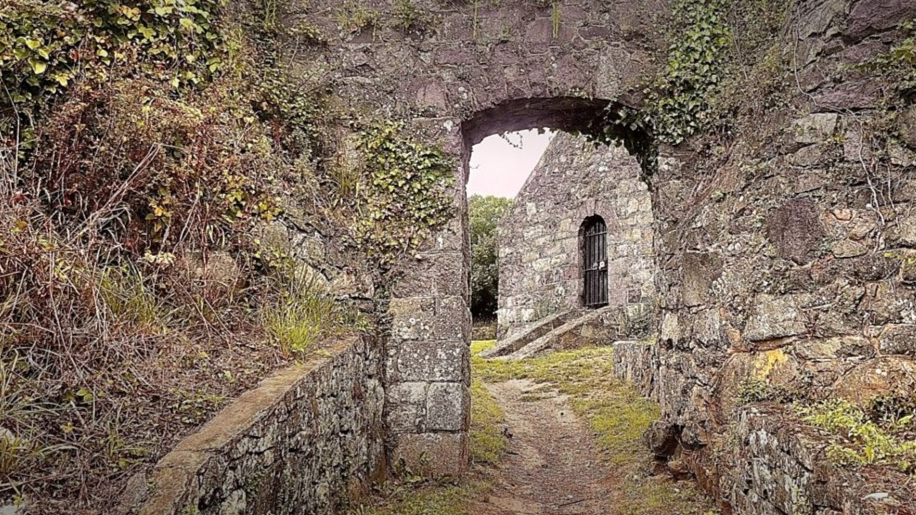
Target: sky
(500, 168)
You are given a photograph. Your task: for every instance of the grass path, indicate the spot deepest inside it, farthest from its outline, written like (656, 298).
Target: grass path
(555, 435)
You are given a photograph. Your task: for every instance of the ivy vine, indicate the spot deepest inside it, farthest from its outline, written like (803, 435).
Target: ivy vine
(679, 101)
(46, 45)
(406, 193)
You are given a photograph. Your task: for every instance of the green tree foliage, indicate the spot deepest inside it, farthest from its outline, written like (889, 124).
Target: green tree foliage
(485, 213)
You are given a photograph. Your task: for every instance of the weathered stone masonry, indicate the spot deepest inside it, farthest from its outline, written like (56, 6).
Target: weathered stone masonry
(471, 72)
(540, 271)
(309, 439)
(783, 262)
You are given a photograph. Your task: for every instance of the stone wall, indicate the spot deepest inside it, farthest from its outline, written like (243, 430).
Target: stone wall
(784, 263)
(784, 242)
(307, 441)
(540, 260)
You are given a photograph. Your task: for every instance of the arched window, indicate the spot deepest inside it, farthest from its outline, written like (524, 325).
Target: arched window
(594, 262)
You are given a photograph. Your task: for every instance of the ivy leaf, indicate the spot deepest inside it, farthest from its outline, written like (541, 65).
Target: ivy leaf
(188, 24)
(38, 67)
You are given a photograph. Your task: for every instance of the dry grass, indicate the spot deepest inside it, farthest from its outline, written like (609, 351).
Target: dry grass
(115, 339)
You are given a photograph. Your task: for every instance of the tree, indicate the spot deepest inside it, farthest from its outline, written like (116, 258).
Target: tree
(485, 213)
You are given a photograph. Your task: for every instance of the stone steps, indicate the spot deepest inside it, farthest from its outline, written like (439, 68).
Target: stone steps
(598, 327)
(542, 327)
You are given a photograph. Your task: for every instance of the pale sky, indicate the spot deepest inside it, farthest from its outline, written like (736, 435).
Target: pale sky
(500, 168)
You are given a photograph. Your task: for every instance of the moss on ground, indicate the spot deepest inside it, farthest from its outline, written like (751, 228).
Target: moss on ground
(617, 414)
(614, 410)
(433, 499)
(488, 444)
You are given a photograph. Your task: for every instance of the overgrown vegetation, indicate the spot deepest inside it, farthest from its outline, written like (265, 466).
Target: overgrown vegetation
(723, 67)
(406, 193)
(885, 436)
(138, 169)
(355, 17)
(46, 46)
(678, 99)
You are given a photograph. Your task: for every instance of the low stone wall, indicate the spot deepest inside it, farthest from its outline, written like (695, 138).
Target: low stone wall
(768, 462)
(305, 441)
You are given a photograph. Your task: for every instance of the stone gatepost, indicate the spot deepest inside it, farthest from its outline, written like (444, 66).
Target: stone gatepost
(427, 371)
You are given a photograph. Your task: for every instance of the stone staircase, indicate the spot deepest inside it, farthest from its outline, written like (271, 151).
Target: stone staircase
(598, 327)
(541, 328)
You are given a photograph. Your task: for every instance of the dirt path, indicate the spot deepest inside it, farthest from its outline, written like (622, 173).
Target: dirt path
(553, 466)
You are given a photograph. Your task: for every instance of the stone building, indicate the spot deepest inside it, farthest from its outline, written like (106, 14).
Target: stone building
(578, 236)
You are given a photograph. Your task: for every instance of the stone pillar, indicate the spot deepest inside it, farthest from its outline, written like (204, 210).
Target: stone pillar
(428, 355)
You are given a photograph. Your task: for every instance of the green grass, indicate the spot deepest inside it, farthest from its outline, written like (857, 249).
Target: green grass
(297, 320)
(859, 440)
(615, 411)
(426, 500)
(488, 444)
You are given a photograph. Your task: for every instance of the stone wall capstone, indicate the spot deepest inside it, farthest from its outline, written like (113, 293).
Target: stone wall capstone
(307, 441)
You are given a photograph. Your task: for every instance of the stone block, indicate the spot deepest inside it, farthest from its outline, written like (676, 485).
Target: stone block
(699, 272)
(795, 229)
(448, 407)
(872, 16)
(888, 376)
(427, 318)
(774, 317)
(898, 339)
(833, 348)
(815, 128)
(405, 406)
(848, 249)
(438, 361)
(906, 124)
(439, 273)
(432, 454)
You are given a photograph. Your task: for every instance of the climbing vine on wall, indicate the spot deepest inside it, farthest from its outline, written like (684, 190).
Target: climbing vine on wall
(679, 100)
(46, 45)
(405, 195)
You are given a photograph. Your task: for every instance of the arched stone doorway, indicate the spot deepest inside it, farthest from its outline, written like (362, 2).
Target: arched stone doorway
(498, 67)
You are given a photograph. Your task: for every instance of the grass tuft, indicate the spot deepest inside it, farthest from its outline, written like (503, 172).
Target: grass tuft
(298, 319)
(859, 440)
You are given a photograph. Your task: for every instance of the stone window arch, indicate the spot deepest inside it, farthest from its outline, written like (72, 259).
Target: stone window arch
(593, 252)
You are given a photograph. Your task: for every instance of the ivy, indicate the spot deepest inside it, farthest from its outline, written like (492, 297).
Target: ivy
(406, 195)
(47, 45)
(679, 101)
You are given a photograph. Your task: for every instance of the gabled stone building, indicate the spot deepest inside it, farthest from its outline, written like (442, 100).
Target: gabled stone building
(578, 237)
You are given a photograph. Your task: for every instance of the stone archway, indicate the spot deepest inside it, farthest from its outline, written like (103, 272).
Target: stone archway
(428, 366)
(494, 66)
(473, 71)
